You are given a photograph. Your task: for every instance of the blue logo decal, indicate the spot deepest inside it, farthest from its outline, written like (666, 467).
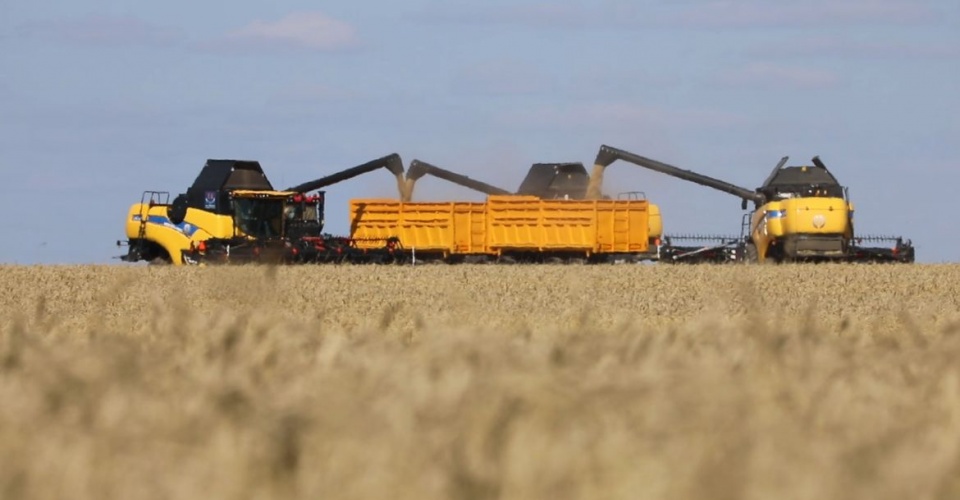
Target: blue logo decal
(183, 227)
(210, 200)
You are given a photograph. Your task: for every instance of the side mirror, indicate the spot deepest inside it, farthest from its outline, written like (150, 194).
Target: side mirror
(743, 204)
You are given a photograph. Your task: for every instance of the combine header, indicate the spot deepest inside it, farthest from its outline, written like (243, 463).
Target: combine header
(700, 248)
(801, 213)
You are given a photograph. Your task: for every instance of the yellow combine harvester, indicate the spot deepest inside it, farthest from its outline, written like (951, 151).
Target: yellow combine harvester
(232, 213)
(800, 213)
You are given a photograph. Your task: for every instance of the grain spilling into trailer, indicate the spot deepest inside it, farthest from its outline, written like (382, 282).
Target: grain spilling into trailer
(523, 227)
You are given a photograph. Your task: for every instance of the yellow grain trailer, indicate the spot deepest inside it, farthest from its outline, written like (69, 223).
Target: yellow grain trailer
(445, 228)
(506, 226)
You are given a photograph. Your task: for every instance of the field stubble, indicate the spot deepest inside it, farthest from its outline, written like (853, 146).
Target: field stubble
(480, 382)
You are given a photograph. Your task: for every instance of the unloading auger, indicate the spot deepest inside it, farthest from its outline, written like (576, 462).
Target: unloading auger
(800, 213)
(232, 214)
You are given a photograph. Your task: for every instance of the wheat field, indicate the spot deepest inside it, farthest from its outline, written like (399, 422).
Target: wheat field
(480, 382)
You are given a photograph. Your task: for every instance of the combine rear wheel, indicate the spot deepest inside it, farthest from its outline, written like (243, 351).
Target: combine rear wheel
(159, 261)
(146, 251)
(750, 255)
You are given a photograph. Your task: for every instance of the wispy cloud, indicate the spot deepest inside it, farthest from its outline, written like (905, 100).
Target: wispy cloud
(621, 115)
(101, 30)
(313, 31)
(601, 14)
(758, 13)
(761, 74)
(696, 14)
(501, 77)
(618, 82)
(305, 92)
(504, 77)
(847, 48)
(529, 14)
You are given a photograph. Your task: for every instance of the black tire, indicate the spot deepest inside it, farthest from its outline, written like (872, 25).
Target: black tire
(159, 261)
(159, 257)
(751, 256)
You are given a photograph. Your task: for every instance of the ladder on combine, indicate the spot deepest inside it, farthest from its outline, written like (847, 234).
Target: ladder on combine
(148, 200)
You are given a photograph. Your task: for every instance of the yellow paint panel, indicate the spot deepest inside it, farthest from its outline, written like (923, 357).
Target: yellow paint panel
(175, 238)
(656, 221)
(806, 216)
(428, 226)
(504, 223)
(469, 228)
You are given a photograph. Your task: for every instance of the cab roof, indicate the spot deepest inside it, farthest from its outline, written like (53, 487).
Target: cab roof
(229, 175)
(801, 175)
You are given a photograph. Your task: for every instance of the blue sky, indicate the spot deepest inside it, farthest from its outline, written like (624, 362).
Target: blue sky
(104, 99)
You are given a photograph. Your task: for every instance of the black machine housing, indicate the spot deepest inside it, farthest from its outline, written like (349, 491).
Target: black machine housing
(212, 187)
(556, 180)
(282, 230)
(799, 182)
(566, 180)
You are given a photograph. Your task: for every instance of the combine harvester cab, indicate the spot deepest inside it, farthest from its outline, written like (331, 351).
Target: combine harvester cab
(547, 219)
(159, 231)
(267, 227)
(801, 213)
(232, 214)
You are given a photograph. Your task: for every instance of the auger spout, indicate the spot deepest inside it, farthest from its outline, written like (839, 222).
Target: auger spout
(391, 162)
(420, 168)
(608, 155)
